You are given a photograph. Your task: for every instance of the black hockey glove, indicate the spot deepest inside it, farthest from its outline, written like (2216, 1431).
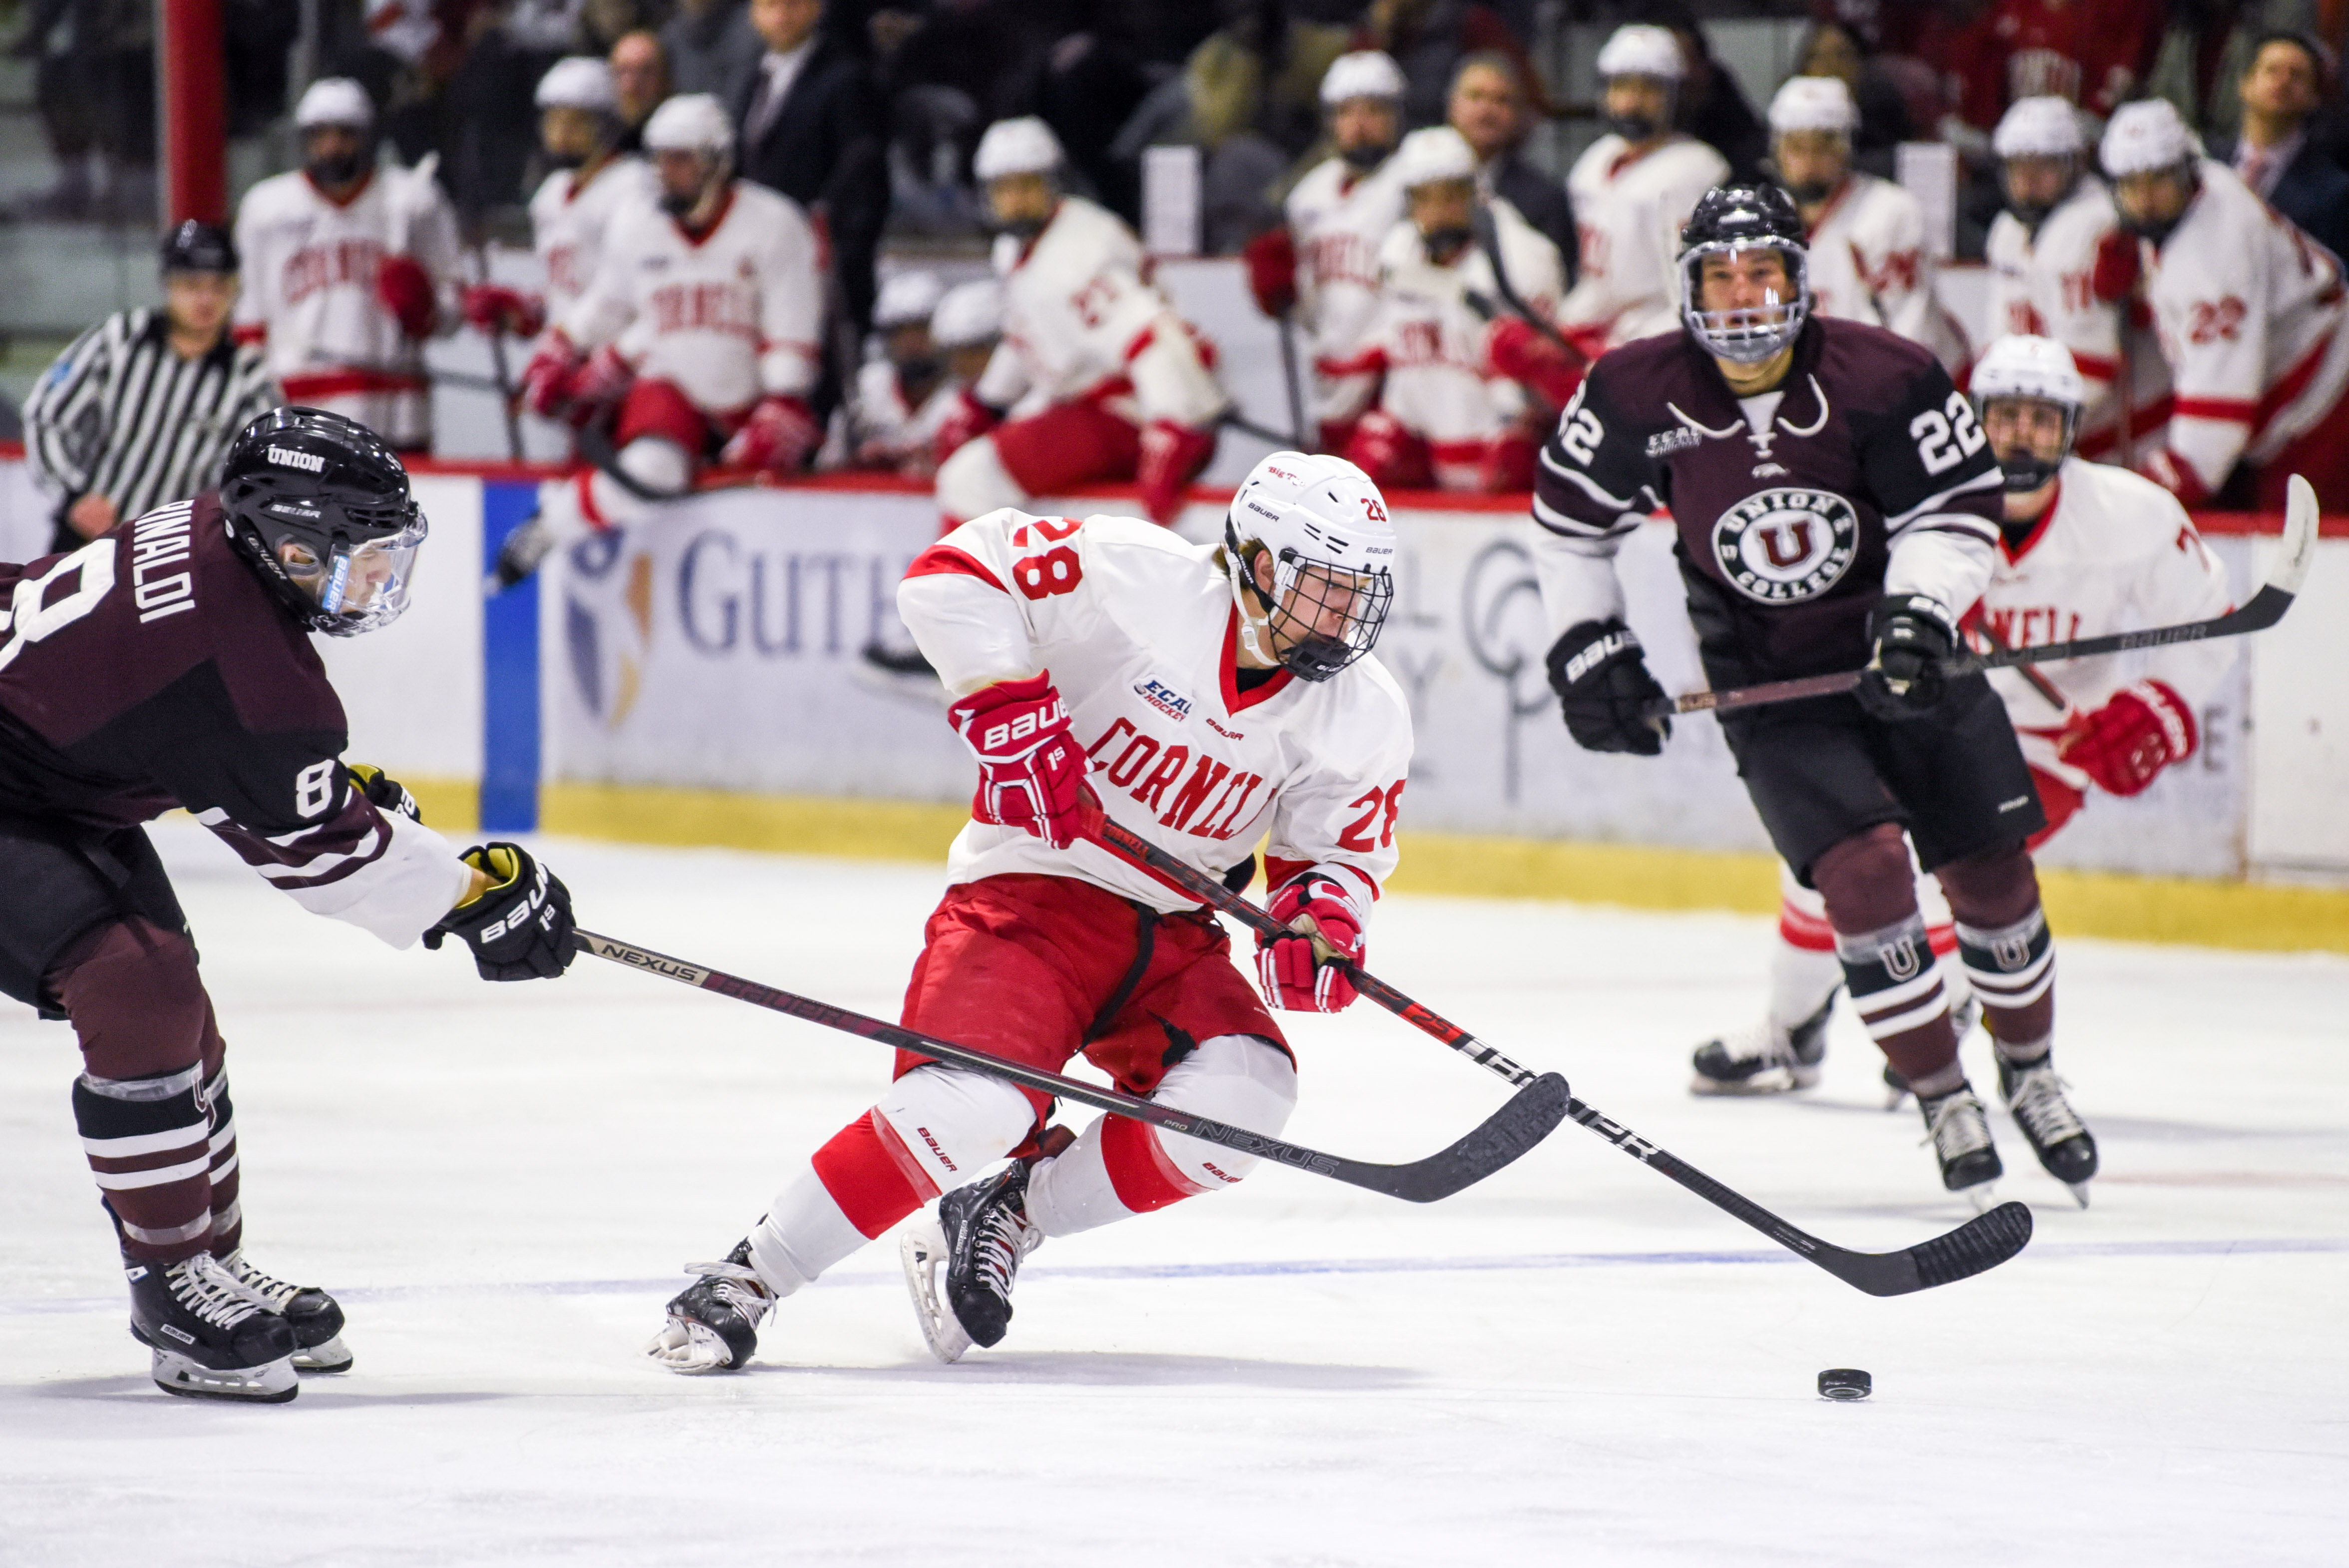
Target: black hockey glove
(1603, 683)
(386, 794)
(1903, 680)
(520, 927)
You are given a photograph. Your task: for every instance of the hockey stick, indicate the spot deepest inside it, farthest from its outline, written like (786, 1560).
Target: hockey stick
(2052, 694)
(1288, 376)
(1982, 1242)
(2265, 609)
(1231, 418)
(497, 336)
(1527, 1118)
(1488, 239)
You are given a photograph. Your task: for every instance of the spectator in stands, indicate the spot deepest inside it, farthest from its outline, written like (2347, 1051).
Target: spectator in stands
(1252, 89)
(2251, 314)
(1447, 338)
(1710, 107)
(95, 88)
(2095, 53)
(2273, 151)
(141, 409)
(1487, 107)
(1876, 88)
(712, 47)
(1429, 38)
(811, 125)
(640, 80)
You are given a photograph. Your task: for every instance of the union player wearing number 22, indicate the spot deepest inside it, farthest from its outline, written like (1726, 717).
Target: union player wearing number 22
(1200, 696)
(169, 664)
(1838, 506)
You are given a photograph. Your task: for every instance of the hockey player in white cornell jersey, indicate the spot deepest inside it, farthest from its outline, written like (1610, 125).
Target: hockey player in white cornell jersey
(1867, 235)
(1321, 267)
(2250, 313)
(1210, 694)
(1097, 379)
(2085, 549)
(1632, 189)
(698, 337)
(2063, 267)
(348, 269)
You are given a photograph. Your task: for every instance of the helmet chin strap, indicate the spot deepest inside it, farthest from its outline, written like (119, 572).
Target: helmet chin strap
(1244, 588)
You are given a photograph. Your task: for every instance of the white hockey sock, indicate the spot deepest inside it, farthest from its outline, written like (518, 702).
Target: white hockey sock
(803, 1235)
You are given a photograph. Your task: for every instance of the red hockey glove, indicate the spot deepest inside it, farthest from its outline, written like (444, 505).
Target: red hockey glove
(1031, 774)
(2175, 475)
(2123, 744)
(1271, 261)
(1393, 457)
(2113, 273)
(1300, 973)
(965, 423)
(1508, 465)
(1517, 350)
(778, 436)
(406, 289)
(1171, 457)
(493, 307)
(547, 379)
(601, 383)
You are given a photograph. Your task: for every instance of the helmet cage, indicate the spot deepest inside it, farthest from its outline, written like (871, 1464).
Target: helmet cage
(2023, 475)
(361, 557)
(1303, 591)
(1740, 336)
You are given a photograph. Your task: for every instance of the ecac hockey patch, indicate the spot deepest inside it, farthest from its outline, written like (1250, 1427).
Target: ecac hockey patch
(1164, 698)
(1783, 545)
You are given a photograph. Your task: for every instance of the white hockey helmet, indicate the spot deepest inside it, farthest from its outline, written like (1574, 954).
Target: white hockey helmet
(1021, 146)
(2042, 126)
(906, 299)
(1365, 73)
(2145, 136)
(1813, 103)
(2040, 369)
(334, 100)
(1435, 153)
(969, 314)
(690, 122)
(579, 81)
(1638, 49)
(1325, 526)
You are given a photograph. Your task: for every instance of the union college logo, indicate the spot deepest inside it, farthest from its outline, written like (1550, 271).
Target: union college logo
(1784, 545)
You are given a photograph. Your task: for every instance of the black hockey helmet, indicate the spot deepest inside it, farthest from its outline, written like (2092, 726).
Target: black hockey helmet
(321, 506)
(194, 247)
(1731, 218)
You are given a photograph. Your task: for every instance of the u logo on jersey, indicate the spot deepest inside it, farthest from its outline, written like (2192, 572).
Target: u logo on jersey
(1788, 544)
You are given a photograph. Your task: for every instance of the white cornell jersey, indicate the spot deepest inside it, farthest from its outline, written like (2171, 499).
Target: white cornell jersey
(310, 266)
(1629, 211)
(1079, 321)
(1868, 263)
(568, 221)
(2250, 312)
(1138, 630)
(1337, 218)
(729, 318)
(2045, 285)
(2116, 552)
(1430, 340)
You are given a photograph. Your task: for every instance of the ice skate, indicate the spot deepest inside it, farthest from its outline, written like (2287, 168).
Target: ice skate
(316, 1318)
(213, 1338)
(981, 1235)
(519, 556)
(713, 1323)
(2066, 1151)
(1959, 1129)
(1764, 1059)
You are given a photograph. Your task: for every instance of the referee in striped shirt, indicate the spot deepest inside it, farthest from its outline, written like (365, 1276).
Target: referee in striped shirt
(140, 409)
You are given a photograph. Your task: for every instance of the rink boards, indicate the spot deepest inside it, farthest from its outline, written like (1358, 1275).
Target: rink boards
(719, 649)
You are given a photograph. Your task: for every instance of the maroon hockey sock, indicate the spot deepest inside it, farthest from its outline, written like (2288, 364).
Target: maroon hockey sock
(2008, 951)
(1888, 961)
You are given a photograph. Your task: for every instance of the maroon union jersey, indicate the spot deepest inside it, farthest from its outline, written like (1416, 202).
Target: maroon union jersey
(151, 668)
(1787, 504)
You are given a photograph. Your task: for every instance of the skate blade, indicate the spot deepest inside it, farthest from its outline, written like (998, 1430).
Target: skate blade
(272, 1383)
(2079, 1192)
(1983, 1195)
(326, 1358)
(923, 1253)
(1730, 1089)
(693, 1349)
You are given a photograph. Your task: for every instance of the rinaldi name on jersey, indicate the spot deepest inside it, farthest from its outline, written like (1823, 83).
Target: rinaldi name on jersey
(1865, 472)
(1138, 630)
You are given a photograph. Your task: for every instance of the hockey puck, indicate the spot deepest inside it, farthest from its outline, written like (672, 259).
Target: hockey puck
(1845, 1383)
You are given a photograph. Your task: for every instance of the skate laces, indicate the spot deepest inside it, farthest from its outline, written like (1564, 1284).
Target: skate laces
(210, 1292)
(1956, 1125)
(2036, 1098)
(1763, 1043)
(270, 1289)
(738, 1285)
(1004, 1237)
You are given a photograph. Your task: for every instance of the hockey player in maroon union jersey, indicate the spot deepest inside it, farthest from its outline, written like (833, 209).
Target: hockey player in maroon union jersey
(169, 664)
(1838, 506)
(1201, 696)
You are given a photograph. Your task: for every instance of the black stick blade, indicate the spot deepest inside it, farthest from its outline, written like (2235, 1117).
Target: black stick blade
(1979, 1244)
(1531, 1115)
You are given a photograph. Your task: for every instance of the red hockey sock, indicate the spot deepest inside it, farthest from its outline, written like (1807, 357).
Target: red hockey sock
(871, 1175)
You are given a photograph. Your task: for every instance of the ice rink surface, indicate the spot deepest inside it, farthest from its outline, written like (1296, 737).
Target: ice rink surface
(1575, 1362)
